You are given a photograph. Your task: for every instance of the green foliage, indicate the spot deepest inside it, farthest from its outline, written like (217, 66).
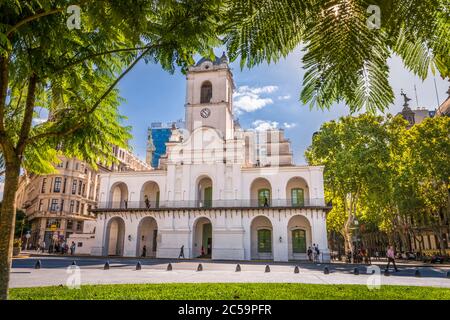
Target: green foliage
(231, 291)
(77, 70)
(395, 175)
(345, 61)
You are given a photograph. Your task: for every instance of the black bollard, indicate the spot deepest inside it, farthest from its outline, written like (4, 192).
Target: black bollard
(326, 270)
(169, 267)
(267, 269)
(296, 269)
(417, 273)
(356, 271)
(200, 267)
(238, 268)
(38, 264)
(106, 266)
(138, 266)
(74, 263)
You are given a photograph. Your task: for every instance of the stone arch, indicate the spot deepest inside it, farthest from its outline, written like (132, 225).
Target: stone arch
(260, 190)
(261, 238)
(150, 194)
(202, 236)
(204, 192)
(118, 195)
(299, 237)
(115, 237)
(147, 235)
(297, 192)
(206, 92)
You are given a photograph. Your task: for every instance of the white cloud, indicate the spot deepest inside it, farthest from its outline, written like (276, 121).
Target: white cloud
(249, 99)
(37, 121)
(286, 97)
(289, 125)
(263, 125)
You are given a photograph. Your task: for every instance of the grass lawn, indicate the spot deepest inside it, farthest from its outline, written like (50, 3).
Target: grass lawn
(229, 291)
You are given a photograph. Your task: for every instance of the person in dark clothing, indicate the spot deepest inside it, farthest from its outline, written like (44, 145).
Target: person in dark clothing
(147, 202)
(181, 252)
(266, 202)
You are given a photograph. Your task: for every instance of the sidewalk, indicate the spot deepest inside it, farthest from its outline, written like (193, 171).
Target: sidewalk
(381, 262)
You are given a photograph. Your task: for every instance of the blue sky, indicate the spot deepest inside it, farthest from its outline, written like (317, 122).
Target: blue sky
(268, 93)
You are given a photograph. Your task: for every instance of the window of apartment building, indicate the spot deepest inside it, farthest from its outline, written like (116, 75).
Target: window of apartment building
(54, 205)
(61, 207)
(69, 225)
(77, 210)
(84, 189)
(60, 165)
(51, 222)
(74, 186)
(82, 208)
(72, 205)
(57, 185)
(41, 203)
(44, 182)
(67, 164)
(64, 185)
(77, 166)
(79, 225)
(80, 187)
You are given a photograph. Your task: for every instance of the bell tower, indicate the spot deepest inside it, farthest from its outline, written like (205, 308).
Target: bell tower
(209, 95)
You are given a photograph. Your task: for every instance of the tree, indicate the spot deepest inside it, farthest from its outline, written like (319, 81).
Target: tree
(347, 43)
(71, 75)
(354, 151)
(429, 144)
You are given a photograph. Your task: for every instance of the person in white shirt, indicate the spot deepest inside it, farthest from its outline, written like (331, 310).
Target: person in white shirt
(391, 258)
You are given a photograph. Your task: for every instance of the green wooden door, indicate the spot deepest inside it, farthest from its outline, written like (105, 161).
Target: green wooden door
(299, 241)
(208, 197)
(265, 241)
(297, 197)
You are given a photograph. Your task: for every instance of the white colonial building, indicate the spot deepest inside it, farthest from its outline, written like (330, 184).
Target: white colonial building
(220, 192)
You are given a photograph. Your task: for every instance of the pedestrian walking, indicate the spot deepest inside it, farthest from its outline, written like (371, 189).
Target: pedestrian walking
(391, 258)
(181, 252)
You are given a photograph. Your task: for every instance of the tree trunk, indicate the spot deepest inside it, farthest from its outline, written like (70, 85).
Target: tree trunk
(7, 222)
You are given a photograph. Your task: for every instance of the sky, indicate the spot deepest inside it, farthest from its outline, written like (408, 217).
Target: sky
(265, 96)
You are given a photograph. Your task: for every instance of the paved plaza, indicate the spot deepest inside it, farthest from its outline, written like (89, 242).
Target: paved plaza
(54, 271)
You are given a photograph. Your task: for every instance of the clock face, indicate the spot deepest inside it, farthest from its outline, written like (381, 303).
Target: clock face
(205, 113)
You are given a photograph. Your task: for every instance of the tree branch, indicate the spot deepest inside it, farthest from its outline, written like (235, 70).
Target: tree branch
(73, 63)
(28, 116)
(32, 18)
(37, 16)
(3, 90)
(94, 107)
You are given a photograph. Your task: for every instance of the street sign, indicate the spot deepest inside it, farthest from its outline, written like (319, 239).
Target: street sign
(28, 235)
